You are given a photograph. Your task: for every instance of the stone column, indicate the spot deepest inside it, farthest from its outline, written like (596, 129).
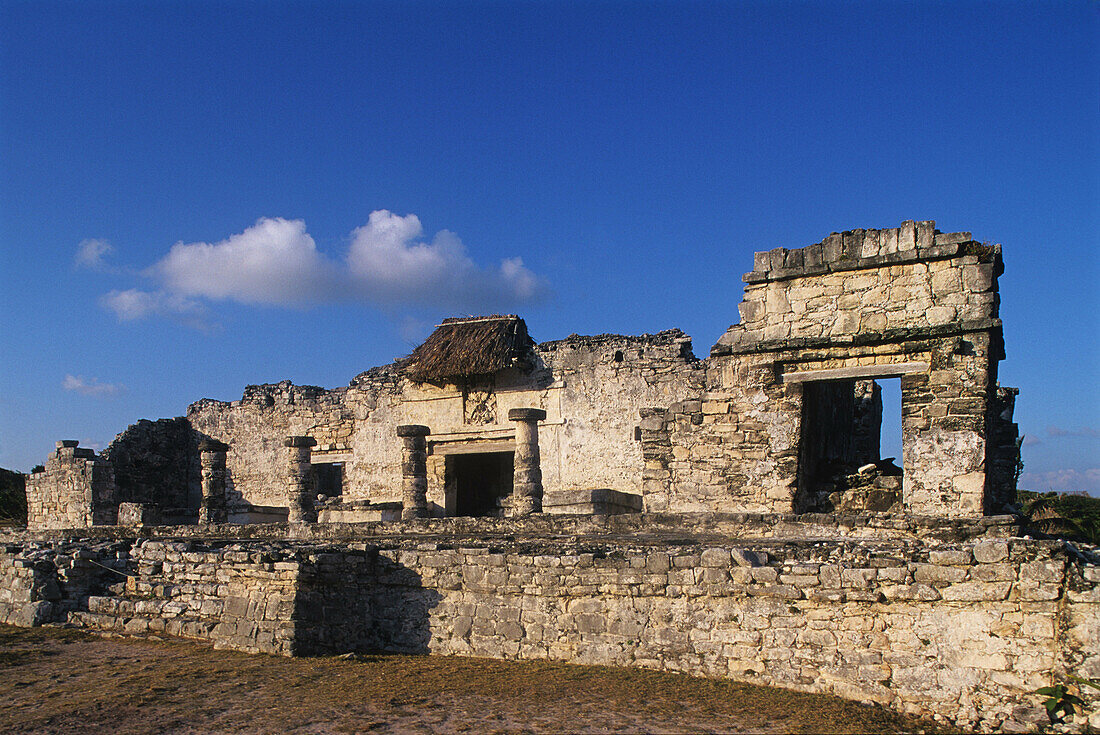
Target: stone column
(527, 485)
(212, 462)
(414, 471)
(299, 480)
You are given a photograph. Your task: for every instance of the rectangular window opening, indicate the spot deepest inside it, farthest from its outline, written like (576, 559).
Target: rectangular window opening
(850, 449)
(329, 478)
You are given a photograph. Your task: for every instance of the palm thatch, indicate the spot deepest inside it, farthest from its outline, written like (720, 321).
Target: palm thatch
(465, 347)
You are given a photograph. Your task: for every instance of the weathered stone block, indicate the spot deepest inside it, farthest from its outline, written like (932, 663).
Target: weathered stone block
(990, 552)
(715, 558)
(745, 558)
(977, 591)
(949, 557)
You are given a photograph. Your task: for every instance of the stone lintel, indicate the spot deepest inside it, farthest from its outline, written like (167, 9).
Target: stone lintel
(68, 444)
(300, 441)
(505, 444)
(526, 414)
(413, 430)
(213, 445)
(331, 457)
(885, 370)
(891, 336)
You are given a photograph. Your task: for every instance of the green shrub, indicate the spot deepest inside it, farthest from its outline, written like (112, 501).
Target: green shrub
(1074, 517)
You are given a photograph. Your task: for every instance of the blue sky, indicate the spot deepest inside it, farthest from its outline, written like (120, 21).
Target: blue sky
(198, 196)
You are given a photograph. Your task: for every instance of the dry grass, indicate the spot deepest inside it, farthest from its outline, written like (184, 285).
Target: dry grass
(63, 681)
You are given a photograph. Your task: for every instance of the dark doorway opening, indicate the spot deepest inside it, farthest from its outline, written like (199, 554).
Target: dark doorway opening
(839, 464)
(481, 482)
(329, 478)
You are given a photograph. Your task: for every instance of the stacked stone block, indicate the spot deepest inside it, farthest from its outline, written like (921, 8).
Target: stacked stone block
(75, 490)
(909, 302)
(527, 483)
(735, 448)
(414, 471)
(45, 582)
(962, 631)
(157, 463)
(212, 460)
(298, 479)
(1004, 450)
(237, 596)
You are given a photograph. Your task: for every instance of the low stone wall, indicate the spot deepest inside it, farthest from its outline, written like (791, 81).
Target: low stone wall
(960, 633)
(45, 582)
(960, 629)
(654, 527)
(237, 596)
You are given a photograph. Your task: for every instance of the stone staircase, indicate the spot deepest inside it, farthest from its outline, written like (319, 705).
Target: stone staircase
(141, 607)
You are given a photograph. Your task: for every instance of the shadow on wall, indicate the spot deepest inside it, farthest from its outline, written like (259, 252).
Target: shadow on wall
(157, 463)
(361, 602)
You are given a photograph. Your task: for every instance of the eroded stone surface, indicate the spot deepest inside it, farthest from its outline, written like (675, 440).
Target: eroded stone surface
(913, 624)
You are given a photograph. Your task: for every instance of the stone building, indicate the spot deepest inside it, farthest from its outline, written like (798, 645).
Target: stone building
(480, 420)
(612, 500)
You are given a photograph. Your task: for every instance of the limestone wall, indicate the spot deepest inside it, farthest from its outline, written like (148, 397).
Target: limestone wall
(734, 448)
(604, 383)
(869, 281)
(236, 596)
(45, 582)
(963, 631)
(592, 389)
(908, 302)
(156, 462)
(255, 428)
(960, 633)
(75, 490)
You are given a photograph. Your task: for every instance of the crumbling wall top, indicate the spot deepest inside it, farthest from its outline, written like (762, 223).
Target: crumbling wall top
(674, 338)
(664, 337)
(869, 248)
(283, 393)
(868, 286)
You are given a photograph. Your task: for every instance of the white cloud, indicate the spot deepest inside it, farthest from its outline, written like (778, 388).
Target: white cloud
(273, 262)
(391, 263)
(1067, 479)
(133, 304)
(91, 387)
(276, 262)
(90, 252)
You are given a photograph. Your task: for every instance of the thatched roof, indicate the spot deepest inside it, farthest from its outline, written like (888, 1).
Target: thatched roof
(464, 347)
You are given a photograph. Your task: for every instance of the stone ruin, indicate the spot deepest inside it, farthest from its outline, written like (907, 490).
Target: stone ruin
(779, 418)
(612, 499)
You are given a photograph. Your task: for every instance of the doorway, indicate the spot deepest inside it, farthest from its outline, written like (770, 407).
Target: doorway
(481, 482)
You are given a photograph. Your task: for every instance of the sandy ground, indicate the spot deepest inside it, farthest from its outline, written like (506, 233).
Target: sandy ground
(61, 681)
